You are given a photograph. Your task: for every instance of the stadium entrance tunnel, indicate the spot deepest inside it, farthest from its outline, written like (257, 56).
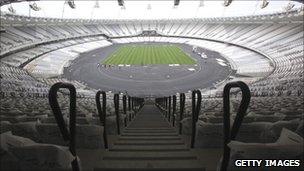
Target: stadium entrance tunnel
(149, 69)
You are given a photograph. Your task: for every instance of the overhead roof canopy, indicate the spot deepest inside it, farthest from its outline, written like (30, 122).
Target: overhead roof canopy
(151, 9)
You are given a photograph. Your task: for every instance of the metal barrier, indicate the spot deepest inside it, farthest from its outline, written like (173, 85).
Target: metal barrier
(116, 105)
(231, 135)
(132, 103)
(69, 135)
(124, 106)
(102, 114)
(169, 110)
(181, 110)
(129, 107)
(173, 110)
(196, 107)
(166, 106)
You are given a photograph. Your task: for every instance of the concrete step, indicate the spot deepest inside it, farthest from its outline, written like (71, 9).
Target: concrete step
(148, 147)
(149, 169)
(147, 128)
(169, 138)
(146, 143)
(147, 165)
(149, 131)
(149, 143)
(139, 155)
(150, 134)
(140, 125)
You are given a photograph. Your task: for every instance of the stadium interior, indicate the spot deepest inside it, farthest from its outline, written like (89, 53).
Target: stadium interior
(139, 92)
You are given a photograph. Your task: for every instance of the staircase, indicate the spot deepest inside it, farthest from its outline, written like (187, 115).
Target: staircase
(149, 143)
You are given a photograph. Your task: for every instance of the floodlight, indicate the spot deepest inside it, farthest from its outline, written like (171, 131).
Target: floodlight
(227, 2)
(71, 3)
(11, 9)
(121, 2)
(289, 6)
(149, 7)
(201, 4)
(264, 4)
(96, 4)
(34, 7)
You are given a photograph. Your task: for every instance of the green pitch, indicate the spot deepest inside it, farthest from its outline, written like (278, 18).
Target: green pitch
(149, 55)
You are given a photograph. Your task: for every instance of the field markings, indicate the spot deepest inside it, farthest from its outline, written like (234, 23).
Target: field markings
(149, 55)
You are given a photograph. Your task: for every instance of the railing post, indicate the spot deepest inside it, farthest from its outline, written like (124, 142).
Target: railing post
(196, 107)
(169, 111)
(102, 114)
(124, 104)
(116, 105)
(132, 103)
(129, 103)
(124, 101)
(181, 110)
(68, 135)
(166, 107)
(129, 108)
(174, 110)
(231, 135)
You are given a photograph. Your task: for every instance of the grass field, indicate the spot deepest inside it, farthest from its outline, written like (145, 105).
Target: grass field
(149, 55)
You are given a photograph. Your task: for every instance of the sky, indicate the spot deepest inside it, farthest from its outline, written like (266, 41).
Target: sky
(138, 9)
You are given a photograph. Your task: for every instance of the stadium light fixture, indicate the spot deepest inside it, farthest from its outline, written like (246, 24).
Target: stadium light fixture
(71, 3)
(176, 2)
(227, 2)
(96, 4)
(121, 2)
(264, 4)
(149, 7)
(201, 4)
(289, 6)
(34, 7)
(11, 9)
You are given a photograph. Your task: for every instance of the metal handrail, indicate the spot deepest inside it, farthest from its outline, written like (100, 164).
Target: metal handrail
(166, 106)
(124, 107)
(124, 104)
(231, 135)
(173, 110)
(68, 135)
(129, 107)
(196, 107)
(181, 111)
(132, 103)
(116, 105)
(129, 103)
(169, 110)
(102, 114)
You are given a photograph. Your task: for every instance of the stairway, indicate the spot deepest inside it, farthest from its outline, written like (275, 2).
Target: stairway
(149, 143)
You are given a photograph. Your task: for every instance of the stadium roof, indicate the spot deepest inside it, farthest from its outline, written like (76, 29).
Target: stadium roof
(148, 9)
